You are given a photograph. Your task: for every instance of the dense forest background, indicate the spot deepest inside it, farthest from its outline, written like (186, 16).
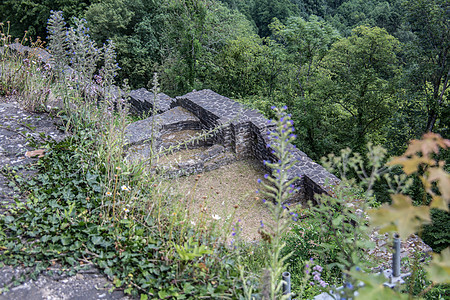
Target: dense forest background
(350, 71)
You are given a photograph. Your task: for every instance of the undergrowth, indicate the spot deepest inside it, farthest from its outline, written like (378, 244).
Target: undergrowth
(88, 206)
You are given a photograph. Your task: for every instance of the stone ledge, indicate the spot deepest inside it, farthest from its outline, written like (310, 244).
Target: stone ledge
(154, 127)
(141, 101)
(242, 131)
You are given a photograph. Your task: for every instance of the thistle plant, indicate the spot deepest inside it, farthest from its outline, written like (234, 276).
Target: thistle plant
(110, 66)
(58, 40)
(155, 102)
(84, 55)
(277, 195)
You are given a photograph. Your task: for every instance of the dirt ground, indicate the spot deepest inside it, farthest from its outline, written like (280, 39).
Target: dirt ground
(229, 193)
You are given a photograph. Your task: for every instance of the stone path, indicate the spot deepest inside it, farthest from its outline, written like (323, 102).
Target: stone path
(15, 126)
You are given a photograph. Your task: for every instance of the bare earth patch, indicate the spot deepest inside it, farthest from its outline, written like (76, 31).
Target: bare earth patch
(221, 190)
(179, 156)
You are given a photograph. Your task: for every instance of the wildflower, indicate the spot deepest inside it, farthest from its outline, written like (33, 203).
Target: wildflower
(318, 268)
(216, 217)
(266, 176)
(262, 224)
(284, 107)
(125, 188)
(192, 223)
(108, 194)
(259, 180)
(125, 209)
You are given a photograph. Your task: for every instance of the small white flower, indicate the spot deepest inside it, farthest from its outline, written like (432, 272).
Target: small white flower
(216, 217)
(125, 188)
(192, 223)
(125, 209)
(108, 194)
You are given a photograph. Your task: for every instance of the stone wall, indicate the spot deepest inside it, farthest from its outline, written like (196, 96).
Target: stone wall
(244, 132)
(240, 130)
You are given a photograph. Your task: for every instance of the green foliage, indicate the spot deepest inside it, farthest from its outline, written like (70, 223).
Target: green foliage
(277, 193)
(363, 71)
(191, 250)
(429, 58)
(306, 42)
(436, 234)
(32, 15)
(353, 13)
(135, 27)
(304, 242)
(262, 12)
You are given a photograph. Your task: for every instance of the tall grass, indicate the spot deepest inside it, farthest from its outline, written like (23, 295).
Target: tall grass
(110, 211)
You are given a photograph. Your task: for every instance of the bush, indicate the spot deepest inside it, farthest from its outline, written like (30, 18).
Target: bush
(437, 234)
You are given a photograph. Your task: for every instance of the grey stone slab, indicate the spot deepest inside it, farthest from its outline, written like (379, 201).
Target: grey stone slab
(16, 125)
(142, 101)
(88, 284)
(176, 119)
(240, 130)
(223, 108)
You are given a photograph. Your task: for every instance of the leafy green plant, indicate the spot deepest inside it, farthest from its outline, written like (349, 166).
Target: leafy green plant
(277, 194)
(406, 218)
(191, 250)
(436, 234)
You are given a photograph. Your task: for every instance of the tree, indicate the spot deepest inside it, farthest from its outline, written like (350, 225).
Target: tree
(265, 10)
(429, 54)
(363, 70)
(306, 42)
(194, 33)
(32, 15)
(135, 27)
(380, 13)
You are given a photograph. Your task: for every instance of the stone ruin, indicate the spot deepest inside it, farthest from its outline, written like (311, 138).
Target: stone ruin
(236, 133)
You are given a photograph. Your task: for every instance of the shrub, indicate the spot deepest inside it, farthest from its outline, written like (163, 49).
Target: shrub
(437, 234)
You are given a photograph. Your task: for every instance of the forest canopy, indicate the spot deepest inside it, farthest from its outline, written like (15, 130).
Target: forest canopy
(350, 71)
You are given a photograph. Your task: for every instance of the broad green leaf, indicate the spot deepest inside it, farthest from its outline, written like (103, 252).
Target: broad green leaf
(443, 182)
(374, 288)
(439, 269)
(428, 144)
(410, 165)
(439, 203)
(9, 219)
(96, 240)
(401, 216)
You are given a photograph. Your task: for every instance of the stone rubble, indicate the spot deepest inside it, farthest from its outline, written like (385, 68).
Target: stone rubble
(241, 131)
